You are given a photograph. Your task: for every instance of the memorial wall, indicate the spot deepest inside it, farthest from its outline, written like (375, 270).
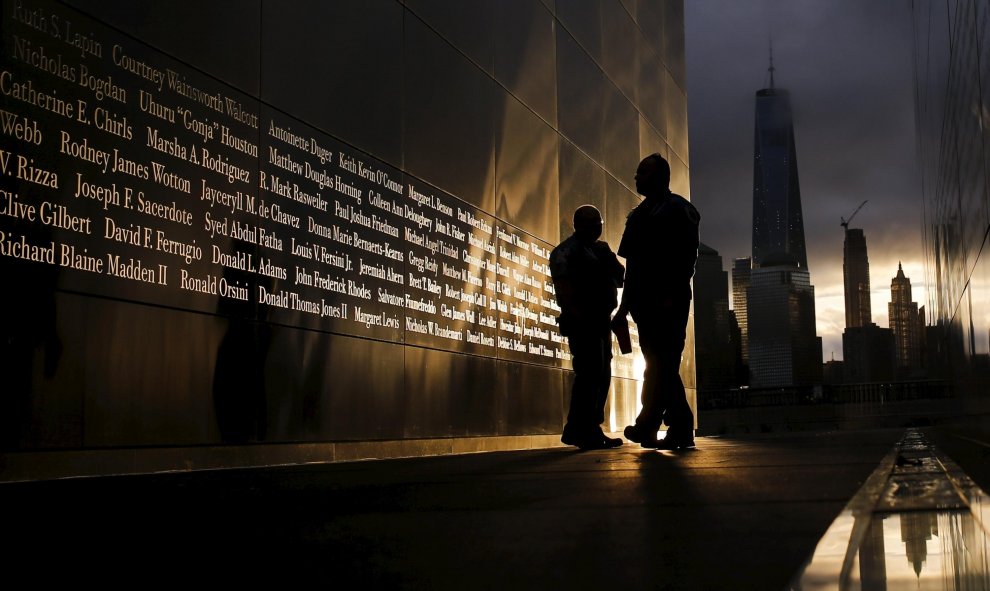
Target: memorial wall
(191, 261)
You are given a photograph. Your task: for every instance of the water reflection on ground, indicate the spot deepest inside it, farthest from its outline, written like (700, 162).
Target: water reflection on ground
(925, 550)
(919, 523)
(920, 550)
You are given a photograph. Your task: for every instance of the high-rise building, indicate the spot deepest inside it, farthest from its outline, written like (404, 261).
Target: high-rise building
(713, 344)
(856, 278)
(778, 227)
(783, 348)
(740, 284)
(781, 318)
(868, 351)
(903, 317)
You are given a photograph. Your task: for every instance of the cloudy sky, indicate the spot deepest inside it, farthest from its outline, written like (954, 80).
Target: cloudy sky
(849, 67)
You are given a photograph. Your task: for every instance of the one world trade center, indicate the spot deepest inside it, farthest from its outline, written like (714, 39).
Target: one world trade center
(784, 351)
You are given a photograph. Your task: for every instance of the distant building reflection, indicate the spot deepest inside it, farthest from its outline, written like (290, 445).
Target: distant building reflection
(872, 555)
(922, 550)
(917, 530)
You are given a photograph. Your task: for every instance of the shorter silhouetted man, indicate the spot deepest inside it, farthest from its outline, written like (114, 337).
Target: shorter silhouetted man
(660, 245)
(586, 275)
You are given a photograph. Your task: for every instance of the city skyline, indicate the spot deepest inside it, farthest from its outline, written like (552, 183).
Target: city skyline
(849, 68)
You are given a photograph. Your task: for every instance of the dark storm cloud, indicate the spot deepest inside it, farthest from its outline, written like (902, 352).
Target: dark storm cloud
(848, 66)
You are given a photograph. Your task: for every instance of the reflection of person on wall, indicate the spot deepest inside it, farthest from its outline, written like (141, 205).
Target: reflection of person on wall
(660, 245)
(586, 275)
(239, 395)
(29, 327)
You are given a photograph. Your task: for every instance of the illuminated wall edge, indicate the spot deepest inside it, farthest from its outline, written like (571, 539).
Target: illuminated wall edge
(457, 102)
(951, 103)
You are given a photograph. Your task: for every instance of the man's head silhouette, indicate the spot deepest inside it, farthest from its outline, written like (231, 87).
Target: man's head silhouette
(652, 176)
(588, 223)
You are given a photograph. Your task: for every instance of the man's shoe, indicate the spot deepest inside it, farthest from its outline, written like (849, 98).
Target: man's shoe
(595, 439)
(636, 435)
(569, 437)
(674, 442)
(610, 442)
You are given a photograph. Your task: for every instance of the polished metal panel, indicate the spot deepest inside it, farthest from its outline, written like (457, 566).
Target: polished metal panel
(619, 201)
(650, 87)
(624, 405)
(688, 370)
(323, 387)
(619, 136)
(150, 375)
(580, 90)
(29, 341)
(448, 394)
(981, 310)
(448, 113)
(483, 134)
(629, 365)
(650, 18)
(582, 19)
(44, 370)
(340, 83)
(679, 177)
(619, 52)
(467, 24)
(632, 7)
(677, 130)
(530, 398)
(526, 182)
(673, 40)
(525, 55)
(219, 37)
(582, 181)
(357, 386)
(650, 142)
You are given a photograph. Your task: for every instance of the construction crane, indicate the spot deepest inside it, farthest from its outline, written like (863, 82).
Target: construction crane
(845, 222)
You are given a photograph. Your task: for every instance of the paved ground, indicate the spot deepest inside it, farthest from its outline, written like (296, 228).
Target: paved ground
(737, 513)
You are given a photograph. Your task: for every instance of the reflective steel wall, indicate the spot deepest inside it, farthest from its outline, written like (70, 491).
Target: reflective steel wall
(953, 112)
(512, 112)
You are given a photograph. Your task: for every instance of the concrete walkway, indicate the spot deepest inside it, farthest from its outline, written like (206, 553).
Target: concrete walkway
(737, 513)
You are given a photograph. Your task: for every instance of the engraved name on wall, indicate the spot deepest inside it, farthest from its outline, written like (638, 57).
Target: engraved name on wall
(127, 174)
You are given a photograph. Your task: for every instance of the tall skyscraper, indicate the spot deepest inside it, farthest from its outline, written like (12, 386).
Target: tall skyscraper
(783, 348)
(741, 269)
(856, 279)
(904, 321)
(715, 357)
(869, 354)
(778, 227)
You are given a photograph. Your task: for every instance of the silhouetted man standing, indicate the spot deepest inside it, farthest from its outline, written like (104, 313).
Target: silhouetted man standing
(660, 245)
(586, 275)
